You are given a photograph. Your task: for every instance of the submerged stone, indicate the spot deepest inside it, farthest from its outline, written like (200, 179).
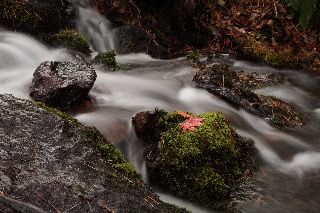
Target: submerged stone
(62, 84)
(216, 75)
(51, 162)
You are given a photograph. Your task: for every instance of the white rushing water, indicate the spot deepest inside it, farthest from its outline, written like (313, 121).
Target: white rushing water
(96, 28)
(117, 96)
(19, 57)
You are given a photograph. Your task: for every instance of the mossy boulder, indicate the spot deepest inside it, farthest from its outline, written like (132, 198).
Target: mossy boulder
(108, 61)
(72, 40)
(201, 164)
(262, 51)
(41, 18)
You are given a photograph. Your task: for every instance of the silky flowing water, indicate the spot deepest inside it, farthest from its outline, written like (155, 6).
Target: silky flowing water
(289, 175)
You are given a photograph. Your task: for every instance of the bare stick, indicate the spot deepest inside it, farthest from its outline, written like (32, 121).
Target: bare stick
(19, 205)
(39, 195)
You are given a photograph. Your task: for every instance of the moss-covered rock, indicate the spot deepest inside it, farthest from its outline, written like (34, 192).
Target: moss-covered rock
(108, 61)
(66, 117)
(73, 163)
(202, 165)
(73, 40)
(118, 161)
(262, 51)
(193, 57)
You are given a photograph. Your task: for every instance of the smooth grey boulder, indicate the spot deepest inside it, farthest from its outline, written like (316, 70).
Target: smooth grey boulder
(62, 84)
(49, 162)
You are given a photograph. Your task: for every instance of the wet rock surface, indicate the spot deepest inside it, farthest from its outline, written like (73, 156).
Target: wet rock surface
(237, 88)
(62, 84)
(132, 39)
(50, 163)
(145, 124)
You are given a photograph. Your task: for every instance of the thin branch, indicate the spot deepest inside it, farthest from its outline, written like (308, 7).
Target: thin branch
(40, 196)
(19, 205)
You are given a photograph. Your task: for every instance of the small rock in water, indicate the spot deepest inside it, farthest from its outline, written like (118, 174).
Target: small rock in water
(62, 84)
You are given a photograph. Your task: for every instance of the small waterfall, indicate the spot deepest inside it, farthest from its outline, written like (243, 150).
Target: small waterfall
(96, 28)
(135, 151)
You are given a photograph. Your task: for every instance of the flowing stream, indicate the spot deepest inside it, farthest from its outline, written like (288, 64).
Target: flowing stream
(290, 172)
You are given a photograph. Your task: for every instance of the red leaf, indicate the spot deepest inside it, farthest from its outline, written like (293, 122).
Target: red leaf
(191, 124)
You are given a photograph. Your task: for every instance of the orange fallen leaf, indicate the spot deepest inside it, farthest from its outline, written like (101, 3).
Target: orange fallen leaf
(184, 114)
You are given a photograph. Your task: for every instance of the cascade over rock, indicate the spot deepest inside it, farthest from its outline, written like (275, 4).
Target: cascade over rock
(62, 84)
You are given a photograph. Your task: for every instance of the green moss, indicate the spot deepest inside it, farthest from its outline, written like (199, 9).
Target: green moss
(118, 161)
(125, 168)
(262, 51)
(108, 59)
(73, 40)
(58, 113)
(200, 165)
(92, 136)
(111, 154)
(193, 57)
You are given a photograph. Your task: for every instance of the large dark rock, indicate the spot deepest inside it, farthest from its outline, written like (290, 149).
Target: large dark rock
(62, 84)
(237, 88)
(49, 162)
(40, 18)
(132, 39)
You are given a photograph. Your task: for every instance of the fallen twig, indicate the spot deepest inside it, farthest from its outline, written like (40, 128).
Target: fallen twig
(40, 196)
(19, 205)
(72, 208)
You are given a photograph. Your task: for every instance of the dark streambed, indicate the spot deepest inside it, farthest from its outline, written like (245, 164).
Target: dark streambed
(289, 175)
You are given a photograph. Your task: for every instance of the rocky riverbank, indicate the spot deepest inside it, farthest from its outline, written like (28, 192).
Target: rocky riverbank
(263, 31)
(51, 162)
